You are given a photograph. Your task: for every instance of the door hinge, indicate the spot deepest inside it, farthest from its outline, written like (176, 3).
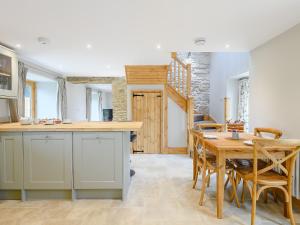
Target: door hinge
(135, 95)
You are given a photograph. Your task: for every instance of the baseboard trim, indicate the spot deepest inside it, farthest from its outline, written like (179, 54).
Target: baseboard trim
(176, 150)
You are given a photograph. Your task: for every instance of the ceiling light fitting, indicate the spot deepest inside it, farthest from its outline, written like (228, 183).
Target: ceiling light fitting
(43, 40)
(200, 41)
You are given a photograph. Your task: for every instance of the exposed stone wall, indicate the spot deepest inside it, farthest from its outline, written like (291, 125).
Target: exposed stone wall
(119, 99)
(200, 62)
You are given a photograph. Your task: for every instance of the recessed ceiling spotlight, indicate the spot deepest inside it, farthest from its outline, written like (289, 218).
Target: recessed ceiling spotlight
(200, 41)
(43, 40)
(88, 46)
(227, 46)
(18, 45)
(158, 46)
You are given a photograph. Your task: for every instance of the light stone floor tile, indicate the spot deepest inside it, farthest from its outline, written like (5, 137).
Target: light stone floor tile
(160, 194)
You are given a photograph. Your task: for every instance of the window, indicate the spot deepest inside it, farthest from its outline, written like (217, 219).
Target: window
(96, 110)
(243, 101)
(30, 99)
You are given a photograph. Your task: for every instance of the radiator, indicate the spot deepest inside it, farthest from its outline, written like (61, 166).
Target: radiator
(296, 182)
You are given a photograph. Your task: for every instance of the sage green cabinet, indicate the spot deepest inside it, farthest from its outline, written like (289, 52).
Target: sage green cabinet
(97, 160)
(47, 160)
(11, 161)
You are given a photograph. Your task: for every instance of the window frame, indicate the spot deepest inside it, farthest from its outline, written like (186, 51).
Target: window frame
(32, 85)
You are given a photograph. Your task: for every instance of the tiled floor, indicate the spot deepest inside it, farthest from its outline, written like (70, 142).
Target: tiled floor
(160, 194)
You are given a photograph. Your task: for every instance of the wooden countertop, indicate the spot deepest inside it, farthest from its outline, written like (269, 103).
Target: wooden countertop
(76, 126)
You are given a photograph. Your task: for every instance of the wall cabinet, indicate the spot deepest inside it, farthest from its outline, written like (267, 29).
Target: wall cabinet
(97, 160)
(48, 160)
(11, 161)
(8, 73)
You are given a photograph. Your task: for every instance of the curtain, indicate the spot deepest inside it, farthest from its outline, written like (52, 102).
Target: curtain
(243, 102)
(88, 103)
(61, 98)
(100, 104)
(13, 110)
(17, 106)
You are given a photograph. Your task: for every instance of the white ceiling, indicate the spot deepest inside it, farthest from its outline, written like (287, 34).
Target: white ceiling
(127, 31)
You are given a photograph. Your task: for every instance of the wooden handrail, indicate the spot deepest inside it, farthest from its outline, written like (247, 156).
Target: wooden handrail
(180, 76)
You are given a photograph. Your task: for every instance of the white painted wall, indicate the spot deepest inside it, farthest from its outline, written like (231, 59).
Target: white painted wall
(177, 136)
(4, 110)
(106, 100)
(76, 98)
(46, 99)
(223, 67)
(275, 84)
(176, 117)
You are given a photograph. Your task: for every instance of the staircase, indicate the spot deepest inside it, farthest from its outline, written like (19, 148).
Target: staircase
(179, 90)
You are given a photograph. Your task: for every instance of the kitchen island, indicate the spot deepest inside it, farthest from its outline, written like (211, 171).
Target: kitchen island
(72, 161)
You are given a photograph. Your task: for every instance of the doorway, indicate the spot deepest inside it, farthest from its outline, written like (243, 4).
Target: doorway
(147, 107)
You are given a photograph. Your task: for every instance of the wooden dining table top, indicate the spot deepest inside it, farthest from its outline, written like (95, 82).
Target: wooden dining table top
(225, 142)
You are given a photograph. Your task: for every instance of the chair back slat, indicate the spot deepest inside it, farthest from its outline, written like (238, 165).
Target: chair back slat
(267, 148)
(275, 132)
(218, 127)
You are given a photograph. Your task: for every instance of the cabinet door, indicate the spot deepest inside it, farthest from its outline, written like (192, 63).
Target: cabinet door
(48, 160)
(97, 160)
(8, 73)
(11, 161)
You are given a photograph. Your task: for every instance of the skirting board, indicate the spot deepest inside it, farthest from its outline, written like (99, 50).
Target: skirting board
(175, 150)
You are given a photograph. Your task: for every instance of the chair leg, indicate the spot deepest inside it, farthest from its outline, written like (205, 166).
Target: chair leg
(203, 188)
(253, 209)
(226, 183)
(234, 192)
(290, 211)
(196, 178)
(208, 180)
(290, 206)
(243, 193)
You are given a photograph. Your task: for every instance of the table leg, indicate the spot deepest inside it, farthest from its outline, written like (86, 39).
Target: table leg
(220, 183)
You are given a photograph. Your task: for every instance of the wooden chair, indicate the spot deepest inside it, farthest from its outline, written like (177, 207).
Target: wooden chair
(207, 127)
(206, 163)
(260, 131)
(281, 155)
(217, 127)
(248, 164)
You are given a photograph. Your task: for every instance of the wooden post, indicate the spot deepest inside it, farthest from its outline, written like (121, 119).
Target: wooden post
(188, 79)
(190, 122)
(178, 77)
(226, 111)
(173, 55)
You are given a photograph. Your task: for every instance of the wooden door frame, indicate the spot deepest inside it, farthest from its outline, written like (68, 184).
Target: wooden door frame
(162, 113)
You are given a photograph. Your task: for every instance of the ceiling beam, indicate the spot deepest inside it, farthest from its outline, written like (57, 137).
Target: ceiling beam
(92, 80)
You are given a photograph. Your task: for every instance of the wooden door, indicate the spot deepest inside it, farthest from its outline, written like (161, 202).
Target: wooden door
(147, 107)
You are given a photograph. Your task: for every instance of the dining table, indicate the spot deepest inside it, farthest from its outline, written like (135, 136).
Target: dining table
(224, 147)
